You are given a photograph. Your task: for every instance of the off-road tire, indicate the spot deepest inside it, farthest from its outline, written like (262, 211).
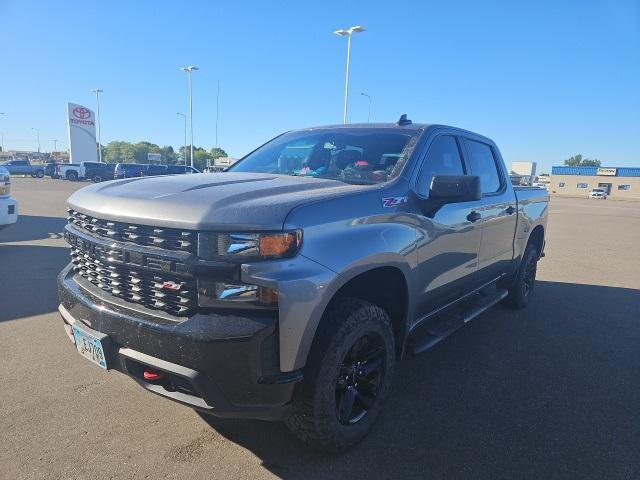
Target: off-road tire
(522, 287)
(72, 176)
(314, 419)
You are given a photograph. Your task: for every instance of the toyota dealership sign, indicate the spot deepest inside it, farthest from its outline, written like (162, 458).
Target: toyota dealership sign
(82, 134)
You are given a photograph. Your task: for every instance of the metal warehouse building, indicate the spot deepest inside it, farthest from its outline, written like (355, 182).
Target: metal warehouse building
(622, 182)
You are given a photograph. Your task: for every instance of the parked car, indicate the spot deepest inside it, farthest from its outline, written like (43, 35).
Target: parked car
(287, 287)
(180, 169)
(599, 193)
(51, 169)
(83, 171)
(99, 172)
(152, 170)
(23, 167)
(129, 170)
(8, 204)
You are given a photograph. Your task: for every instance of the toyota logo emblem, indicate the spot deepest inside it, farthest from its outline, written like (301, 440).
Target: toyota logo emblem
(81, 113)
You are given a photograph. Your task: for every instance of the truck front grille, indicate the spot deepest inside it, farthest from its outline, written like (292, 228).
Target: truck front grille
(156, 290)
(166, 238)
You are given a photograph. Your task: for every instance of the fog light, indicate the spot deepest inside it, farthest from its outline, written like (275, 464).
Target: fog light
(212, 293)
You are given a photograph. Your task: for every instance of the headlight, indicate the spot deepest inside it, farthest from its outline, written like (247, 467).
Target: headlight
(215, 293)
(5, 185)
(248, 247)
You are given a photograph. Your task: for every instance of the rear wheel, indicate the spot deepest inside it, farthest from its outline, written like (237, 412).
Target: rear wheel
(97, 178)
(522, 287)
(73, 176)
(347, 376)
(40, 173)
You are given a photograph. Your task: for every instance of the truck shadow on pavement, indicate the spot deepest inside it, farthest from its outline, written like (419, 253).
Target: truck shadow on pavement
(28, 281)
(550, 391)
(32, 227)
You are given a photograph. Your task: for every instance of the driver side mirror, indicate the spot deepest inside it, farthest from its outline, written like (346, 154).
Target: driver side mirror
(455, 188)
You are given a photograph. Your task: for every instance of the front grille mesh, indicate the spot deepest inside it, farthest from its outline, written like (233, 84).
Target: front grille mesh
(138, 285)
(166, 238)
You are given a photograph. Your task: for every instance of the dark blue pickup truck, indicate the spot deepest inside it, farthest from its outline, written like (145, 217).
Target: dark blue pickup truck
(23, 167)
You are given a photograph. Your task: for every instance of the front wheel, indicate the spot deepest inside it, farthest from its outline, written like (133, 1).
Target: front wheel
(522, 287)
(40, 173)
(97, 179)
(348, 373)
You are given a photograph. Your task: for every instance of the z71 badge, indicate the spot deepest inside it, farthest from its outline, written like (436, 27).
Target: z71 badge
(388, 202)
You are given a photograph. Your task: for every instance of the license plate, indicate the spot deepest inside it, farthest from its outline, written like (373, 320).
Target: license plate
(89, 347)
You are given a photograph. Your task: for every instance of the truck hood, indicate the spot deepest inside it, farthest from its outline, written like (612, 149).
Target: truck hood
(212, 201)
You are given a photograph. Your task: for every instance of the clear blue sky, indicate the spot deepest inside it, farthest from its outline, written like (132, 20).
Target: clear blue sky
(544, 79)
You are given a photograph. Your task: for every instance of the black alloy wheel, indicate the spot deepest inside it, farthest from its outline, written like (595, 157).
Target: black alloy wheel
(528, 277)
(359, 379)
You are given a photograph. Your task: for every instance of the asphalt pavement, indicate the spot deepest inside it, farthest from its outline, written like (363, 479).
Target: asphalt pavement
(549, 392)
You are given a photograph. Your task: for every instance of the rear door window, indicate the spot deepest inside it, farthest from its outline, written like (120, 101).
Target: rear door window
(482, 163)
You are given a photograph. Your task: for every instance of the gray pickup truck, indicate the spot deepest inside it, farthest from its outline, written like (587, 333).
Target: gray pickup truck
(287, 287)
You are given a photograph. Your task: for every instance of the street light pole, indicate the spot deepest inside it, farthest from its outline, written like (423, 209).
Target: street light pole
(2, 135)
(97, 91)
(55, 145)
(37, 136)
(184, 150)
(190, 70)
(369, 114)
(347, 33)
(217, 111)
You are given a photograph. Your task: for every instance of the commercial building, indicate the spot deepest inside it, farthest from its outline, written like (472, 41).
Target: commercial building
(619, 182)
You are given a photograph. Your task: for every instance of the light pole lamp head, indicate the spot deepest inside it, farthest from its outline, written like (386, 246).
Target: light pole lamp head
(96, 90)
(189, 69)
(348, 31)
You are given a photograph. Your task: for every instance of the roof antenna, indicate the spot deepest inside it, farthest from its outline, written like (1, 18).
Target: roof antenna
(404, 120)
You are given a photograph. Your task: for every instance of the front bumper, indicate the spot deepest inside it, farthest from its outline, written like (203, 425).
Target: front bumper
(8, 211)
(224, 364)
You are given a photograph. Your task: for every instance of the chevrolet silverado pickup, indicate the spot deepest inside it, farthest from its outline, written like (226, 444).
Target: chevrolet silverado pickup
(95, 171)
(288, 287)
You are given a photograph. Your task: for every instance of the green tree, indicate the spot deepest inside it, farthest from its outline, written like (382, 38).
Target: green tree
(217, 152)
(579, 161)
(201, 158)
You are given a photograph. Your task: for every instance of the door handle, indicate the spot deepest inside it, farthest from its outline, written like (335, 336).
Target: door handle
(511, 210)
(474, 216)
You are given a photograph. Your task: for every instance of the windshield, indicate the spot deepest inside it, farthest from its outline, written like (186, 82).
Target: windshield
(354, 155)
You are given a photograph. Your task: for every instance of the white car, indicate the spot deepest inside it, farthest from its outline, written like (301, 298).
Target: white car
(8, 205)
(598, 193)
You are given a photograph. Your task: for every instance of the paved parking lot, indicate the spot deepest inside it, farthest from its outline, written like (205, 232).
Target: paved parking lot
(549, 392)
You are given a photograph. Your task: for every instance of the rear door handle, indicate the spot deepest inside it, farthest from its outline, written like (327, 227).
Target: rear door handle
(511, 210)
(474, 216)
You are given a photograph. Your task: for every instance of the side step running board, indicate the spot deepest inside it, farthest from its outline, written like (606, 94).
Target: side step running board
(446, 324)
